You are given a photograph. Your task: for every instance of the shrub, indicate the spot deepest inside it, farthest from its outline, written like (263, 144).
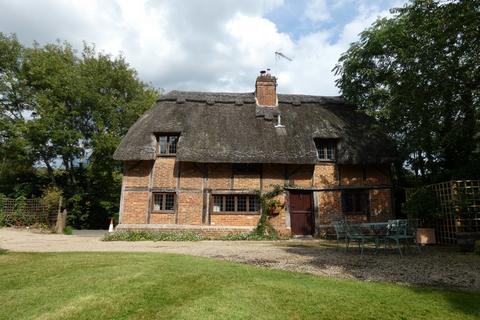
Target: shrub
(476, 248)
(68, 230)
(153, 236)
(422, 204)
(183, 236)
(3, 251)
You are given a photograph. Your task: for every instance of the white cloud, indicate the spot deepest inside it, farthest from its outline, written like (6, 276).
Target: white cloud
(317, 11)
(194, 45)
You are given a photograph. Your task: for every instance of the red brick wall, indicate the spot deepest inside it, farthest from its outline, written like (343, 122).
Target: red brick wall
(191, 176)
(234, 219)
(301, 176)
(190, 207)
(162, 218)
(135, 207)
(137, 173)
(325, 175)
(220, 176)
(164, 173)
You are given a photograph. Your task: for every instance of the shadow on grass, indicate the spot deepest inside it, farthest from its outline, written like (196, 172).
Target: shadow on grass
(440, 271)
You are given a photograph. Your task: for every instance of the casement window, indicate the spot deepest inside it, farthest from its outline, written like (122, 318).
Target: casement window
(167, 144)
(235, 203)
(163, 201)
(326, 149)
(355, 202)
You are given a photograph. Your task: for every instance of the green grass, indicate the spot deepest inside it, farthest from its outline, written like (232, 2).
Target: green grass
(164, 286)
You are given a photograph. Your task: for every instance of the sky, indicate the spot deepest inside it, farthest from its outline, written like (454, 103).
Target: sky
(206, 45)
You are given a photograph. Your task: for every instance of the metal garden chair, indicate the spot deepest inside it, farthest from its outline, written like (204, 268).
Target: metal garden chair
(341, 232)
(356, 233)
(401, 231)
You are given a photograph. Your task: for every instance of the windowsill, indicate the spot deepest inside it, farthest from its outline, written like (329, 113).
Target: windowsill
(326, 160)
(163, 212)
(248, 213)
(172, 155)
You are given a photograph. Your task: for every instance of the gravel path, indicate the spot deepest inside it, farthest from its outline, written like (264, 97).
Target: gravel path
(437, 266)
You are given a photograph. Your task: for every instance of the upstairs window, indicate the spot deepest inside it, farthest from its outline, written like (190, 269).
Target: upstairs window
(167, 144)
(235, 203)
(326, 149)
(355, 202)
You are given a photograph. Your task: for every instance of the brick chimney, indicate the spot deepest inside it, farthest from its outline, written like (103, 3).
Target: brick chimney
(266, 89)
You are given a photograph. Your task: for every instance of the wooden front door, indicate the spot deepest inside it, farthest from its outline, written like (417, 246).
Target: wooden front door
(301, 213)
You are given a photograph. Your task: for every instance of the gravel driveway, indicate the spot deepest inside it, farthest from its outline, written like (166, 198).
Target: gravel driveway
(436, 266)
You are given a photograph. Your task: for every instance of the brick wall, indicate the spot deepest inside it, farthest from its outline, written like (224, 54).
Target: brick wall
(325, 175)
(162, 218)
(190, 198)
(137, 173)
(165, 173)
(135, 207)
(234, 219)
(191, 176)
(190, 207)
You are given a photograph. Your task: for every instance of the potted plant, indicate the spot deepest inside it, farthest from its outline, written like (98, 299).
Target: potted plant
(423, 206)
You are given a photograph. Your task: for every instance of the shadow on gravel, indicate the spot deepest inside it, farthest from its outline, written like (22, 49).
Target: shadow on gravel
(438, 266)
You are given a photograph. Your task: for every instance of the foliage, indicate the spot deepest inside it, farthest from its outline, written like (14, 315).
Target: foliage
(106, 285)
(62, 114)
(152, 236)
(476, 247)
(250, 236)
(268, 203)
(184, 236)
(51, 197)
(3, 251)
(21, 216)
(2, 212)
(417, 72)
(423, 204)
(68, 230)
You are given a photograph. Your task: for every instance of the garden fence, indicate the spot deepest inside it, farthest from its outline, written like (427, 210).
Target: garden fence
(460, 208)
(26, 212)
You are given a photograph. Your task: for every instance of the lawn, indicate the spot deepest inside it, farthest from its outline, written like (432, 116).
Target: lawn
(167, 286)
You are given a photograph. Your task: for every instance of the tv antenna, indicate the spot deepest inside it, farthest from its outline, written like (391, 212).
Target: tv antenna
(279, 55)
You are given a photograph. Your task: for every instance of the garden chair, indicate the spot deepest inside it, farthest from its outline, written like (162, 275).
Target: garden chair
(341, 232)
(356, 233)
(401, 231)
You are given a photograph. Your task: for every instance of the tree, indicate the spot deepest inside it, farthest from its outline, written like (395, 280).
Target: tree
(418, 73)
(78, 106)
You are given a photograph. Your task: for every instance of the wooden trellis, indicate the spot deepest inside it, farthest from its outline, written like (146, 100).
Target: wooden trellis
(460, 208)
(26, 212)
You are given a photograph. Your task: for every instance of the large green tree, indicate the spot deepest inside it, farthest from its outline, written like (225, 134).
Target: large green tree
(418, 72)
(66, 112)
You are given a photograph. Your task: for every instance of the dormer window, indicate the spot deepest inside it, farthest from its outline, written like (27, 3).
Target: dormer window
(167, 144)
(326, 149)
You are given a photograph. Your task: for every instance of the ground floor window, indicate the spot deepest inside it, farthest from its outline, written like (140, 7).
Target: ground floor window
(355, 201)
(235, 203)
(163, 201)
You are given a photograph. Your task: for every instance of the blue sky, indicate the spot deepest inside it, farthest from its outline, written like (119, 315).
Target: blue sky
(206, 45)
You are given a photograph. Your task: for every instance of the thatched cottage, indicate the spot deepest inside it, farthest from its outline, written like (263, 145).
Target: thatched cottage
(196, 159)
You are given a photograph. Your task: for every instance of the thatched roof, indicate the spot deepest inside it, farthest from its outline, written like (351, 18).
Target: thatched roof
(230, 127)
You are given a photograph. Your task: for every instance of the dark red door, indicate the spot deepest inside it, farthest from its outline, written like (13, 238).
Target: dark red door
(301, 212)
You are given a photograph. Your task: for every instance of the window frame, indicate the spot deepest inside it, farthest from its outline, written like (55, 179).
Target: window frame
(326, 146)
(248, 204)
(359, 198)
(168, 145)
(164, 202)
